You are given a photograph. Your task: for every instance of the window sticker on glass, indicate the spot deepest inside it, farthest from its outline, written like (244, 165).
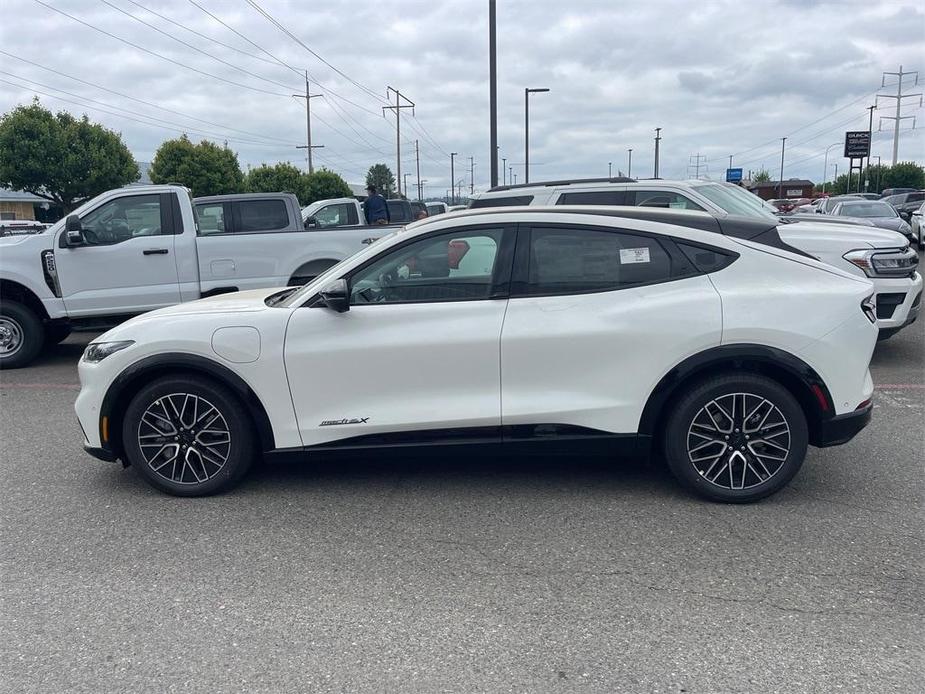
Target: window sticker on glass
(680, 205)
(634, 255)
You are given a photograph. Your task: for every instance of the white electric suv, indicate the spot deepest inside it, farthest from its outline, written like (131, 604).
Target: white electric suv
(709, 341)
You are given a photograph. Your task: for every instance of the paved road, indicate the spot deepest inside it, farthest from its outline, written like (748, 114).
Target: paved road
(452, 574)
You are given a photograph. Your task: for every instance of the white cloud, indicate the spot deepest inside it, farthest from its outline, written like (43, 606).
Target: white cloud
(718, 77)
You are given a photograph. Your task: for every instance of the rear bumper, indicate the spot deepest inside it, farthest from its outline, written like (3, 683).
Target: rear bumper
(844, 427)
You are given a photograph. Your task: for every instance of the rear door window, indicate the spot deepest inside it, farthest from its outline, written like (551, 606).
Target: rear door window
(211, 218)
(575, 260)
(261, 215)
(661, 198)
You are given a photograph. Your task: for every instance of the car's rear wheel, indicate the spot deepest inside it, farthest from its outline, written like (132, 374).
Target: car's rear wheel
(736, 438)
(188, 436)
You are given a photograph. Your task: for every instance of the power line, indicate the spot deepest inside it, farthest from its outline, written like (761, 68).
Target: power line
(195, 48)
(209, 38)
(178, 128)
(132, 98)
(299, 41)
(238, 33)
(158, 55)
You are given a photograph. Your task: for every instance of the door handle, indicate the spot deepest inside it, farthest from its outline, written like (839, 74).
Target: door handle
(155, 251)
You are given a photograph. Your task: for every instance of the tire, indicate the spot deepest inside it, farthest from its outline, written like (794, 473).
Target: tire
(56, 333)
(21, 335)
(735, 467)
(189, 462)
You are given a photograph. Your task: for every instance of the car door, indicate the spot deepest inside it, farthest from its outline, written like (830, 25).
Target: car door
(597, 316)
(416, 357)
(126, 263)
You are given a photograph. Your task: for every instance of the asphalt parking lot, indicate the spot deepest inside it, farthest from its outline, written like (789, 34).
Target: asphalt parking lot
(426, 574)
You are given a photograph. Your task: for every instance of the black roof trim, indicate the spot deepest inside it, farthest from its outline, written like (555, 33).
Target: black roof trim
(736, 226)
(563, 182)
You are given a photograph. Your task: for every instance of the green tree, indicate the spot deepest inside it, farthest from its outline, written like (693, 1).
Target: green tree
(281, 177)
(206, 168)
(63, 159)
(761, 176)
(324, 184)
(905, 174)
(380, 176)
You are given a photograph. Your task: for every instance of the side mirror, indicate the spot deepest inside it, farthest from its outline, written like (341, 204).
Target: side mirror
(917, 213)
(336, 296)
(905, 215)
(73, 232)
(310, 222)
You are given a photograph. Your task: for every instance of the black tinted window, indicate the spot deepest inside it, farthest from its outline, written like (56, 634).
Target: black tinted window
(399, 211)
(502, 202)
(661, 198)
(262, 215)
(565, 261)
(705, 259)
(600, 197)
(915, 197)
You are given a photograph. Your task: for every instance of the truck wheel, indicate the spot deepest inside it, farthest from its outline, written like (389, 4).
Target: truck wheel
(55, 333)
(21, 335)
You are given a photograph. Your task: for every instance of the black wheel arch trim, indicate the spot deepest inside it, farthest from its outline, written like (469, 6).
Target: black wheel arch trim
(801, 379)
(133, 377)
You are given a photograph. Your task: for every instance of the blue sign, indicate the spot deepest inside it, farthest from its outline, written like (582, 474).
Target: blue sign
(733, 175)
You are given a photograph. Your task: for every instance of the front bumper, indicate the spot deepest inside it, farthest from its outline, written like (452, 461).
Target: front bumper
(100, 453)
(844, 427)
(898, 300)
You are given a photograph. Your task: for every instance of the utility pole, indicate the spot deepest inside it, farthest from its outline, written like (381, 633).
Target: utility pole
(308, 146)
(397, 108)
(899, 96)
(493, 91)
(527, 92)
(696, 165)
(405, 181)
(504, 170)
(417, 163)
(658, 138)
(453, 176)
(870, 138)
(629, 163)
(510, 174)
(780, 188)
(471, 175)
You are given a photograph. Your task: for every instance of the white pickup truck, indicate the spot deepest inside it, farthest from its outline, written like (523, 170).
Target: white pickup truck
(348, 212)
(135, 249)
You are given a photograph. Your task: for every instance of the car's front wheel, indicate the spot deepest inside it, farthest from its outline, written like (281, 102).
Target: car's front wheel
(736, 438)
(188, 436)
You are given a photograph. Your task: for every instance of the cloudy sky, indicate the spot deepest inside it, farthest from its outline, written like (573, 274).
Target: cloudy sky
(718, 77)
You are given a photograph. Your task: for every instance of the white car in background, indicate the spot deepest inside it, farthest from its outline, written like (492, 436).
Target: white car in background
(917, 222)
(568, 326)
(885, 257)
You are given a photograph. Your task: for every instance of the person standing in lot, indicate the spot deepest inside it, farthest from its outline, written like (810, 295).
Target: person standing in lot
(375, 207)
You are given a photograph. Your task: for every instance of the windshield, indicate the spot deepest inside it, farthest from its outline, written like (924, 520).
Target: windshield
(865, 209)
(734, 200)
(296, 298)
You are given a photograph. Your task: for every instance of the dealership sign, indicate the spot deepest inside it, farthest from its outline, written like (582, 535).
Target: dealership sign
(857, 144)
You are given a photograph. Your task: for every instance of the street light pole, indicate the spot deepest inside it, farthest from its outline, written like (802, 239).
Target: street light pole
(527, 92)
(780, 187)
(610, 169)
(493, 91)
(825, 164)
(453, 176)
(658, 138)
(504, 170)
(629, 163)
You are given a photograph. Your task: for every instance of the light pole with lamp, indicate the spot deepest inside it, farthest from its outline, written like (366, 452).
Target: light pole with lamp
(629, 163)
(527, 92)
(825, 165)
(610, 169)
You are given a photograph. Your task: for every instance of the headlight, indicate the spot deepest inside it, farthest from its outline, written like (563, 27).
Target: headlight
(891, 263)
(98, 351)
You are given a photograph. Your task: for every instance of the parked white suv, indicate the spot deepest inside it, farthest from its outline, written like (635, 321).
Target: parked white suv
(568, 326)
(883, 256)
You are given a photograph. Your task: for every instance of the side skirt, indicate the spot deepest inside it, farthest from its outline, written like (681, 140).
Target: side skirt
(548, 439)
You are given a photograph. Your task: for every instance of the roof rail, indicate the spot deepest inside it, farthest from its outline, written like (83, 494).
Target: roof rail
(564, 182)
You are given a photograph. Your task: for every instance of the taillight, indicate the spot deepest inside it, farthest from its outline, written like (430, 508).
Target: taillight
(820, 396)
(864, 404)
(869, 307)
(455, 252)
